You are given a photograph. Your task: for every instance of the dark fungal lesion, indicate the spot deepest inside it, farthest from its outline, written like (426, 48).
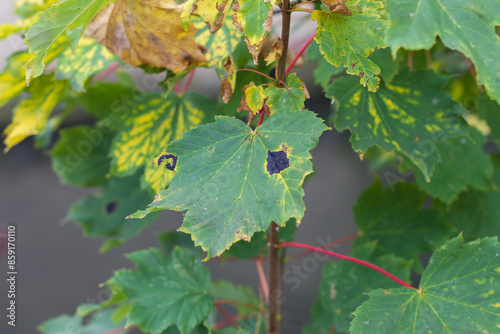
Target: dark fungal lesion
(170, 164)
(277, 161)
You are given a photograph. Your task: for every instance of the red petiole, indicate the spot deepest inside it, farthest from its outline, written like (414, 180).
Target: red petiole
(348, 258)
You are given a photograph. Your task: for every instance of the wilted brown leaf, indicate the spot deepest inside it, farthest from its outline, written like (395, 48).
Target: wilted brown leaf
(229, 82)
(147, 32)
(275, 52)
(337, 6)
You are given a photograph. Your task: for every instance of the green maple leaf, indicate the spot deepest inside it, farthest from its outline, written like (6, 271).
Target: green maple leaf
(408, 115)
(348, 40)
(70, 16)
(463, 163)
(80, 156)
(151, 125)
(475, 212)
(89, 58)
(393, 216)
(465, 26)
(104, 215)
(324, 71)
(338, 296)
(458, 293)
(225, 172)
(291, 97)
(164, 291)
(66, 324)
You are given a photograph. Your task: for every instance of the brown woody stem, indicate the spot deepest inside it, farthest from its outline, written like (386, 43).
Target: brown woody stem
(274, 291)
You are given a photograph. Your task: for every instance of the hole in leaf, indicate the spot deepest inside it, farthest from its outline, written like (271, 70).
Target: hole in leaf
(111, 207)
(170, 164)
(277, 161)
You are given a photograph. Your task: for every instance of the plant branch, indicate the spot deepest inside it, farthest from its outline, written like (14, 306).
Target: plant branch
(274, 292)
(301, 51)
(285, 34)
(259, 262)
(261, 118)
(188, 81)
(227, 316)
(348, 258)
(331, 244)
(280, 284)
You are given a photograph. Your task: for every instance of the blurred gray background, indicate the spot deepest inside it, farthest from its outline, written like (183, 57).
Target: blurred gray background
(58, 268)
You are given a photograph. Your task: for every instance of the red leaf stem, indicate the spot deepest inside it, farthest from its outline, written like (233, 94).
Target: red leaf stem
(227, 316)
(188, 81)
(259, 262)
(348, 258)
(301, 51)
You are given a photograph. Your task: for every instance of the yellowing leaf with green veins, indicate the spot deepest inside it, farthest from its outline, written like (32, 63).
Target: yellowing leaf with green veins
(70, 16)
(458, 293)
(255, 18)
(213, 12)
(89, 58)
(142, 34)
(408, 115)
(234, 181)
(253, 98)
(150, 127)
(462, 25)
(12, 80)
(220, 44)
(31, 114)
(349, 40)
(186, 14)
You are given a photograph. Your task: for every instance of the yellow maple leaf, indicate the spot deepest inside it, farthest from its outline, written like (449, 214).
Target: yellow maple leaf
(31, 114)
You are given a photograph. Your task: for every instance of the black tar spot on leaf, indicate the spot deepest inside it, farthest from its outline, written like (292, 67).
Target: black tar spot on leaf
(276, 162)
(169, 165)
(110, 207)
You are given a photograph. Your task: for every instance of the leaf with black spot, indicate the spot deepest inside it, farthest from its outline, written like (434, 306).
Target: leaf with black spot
(222, 177)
